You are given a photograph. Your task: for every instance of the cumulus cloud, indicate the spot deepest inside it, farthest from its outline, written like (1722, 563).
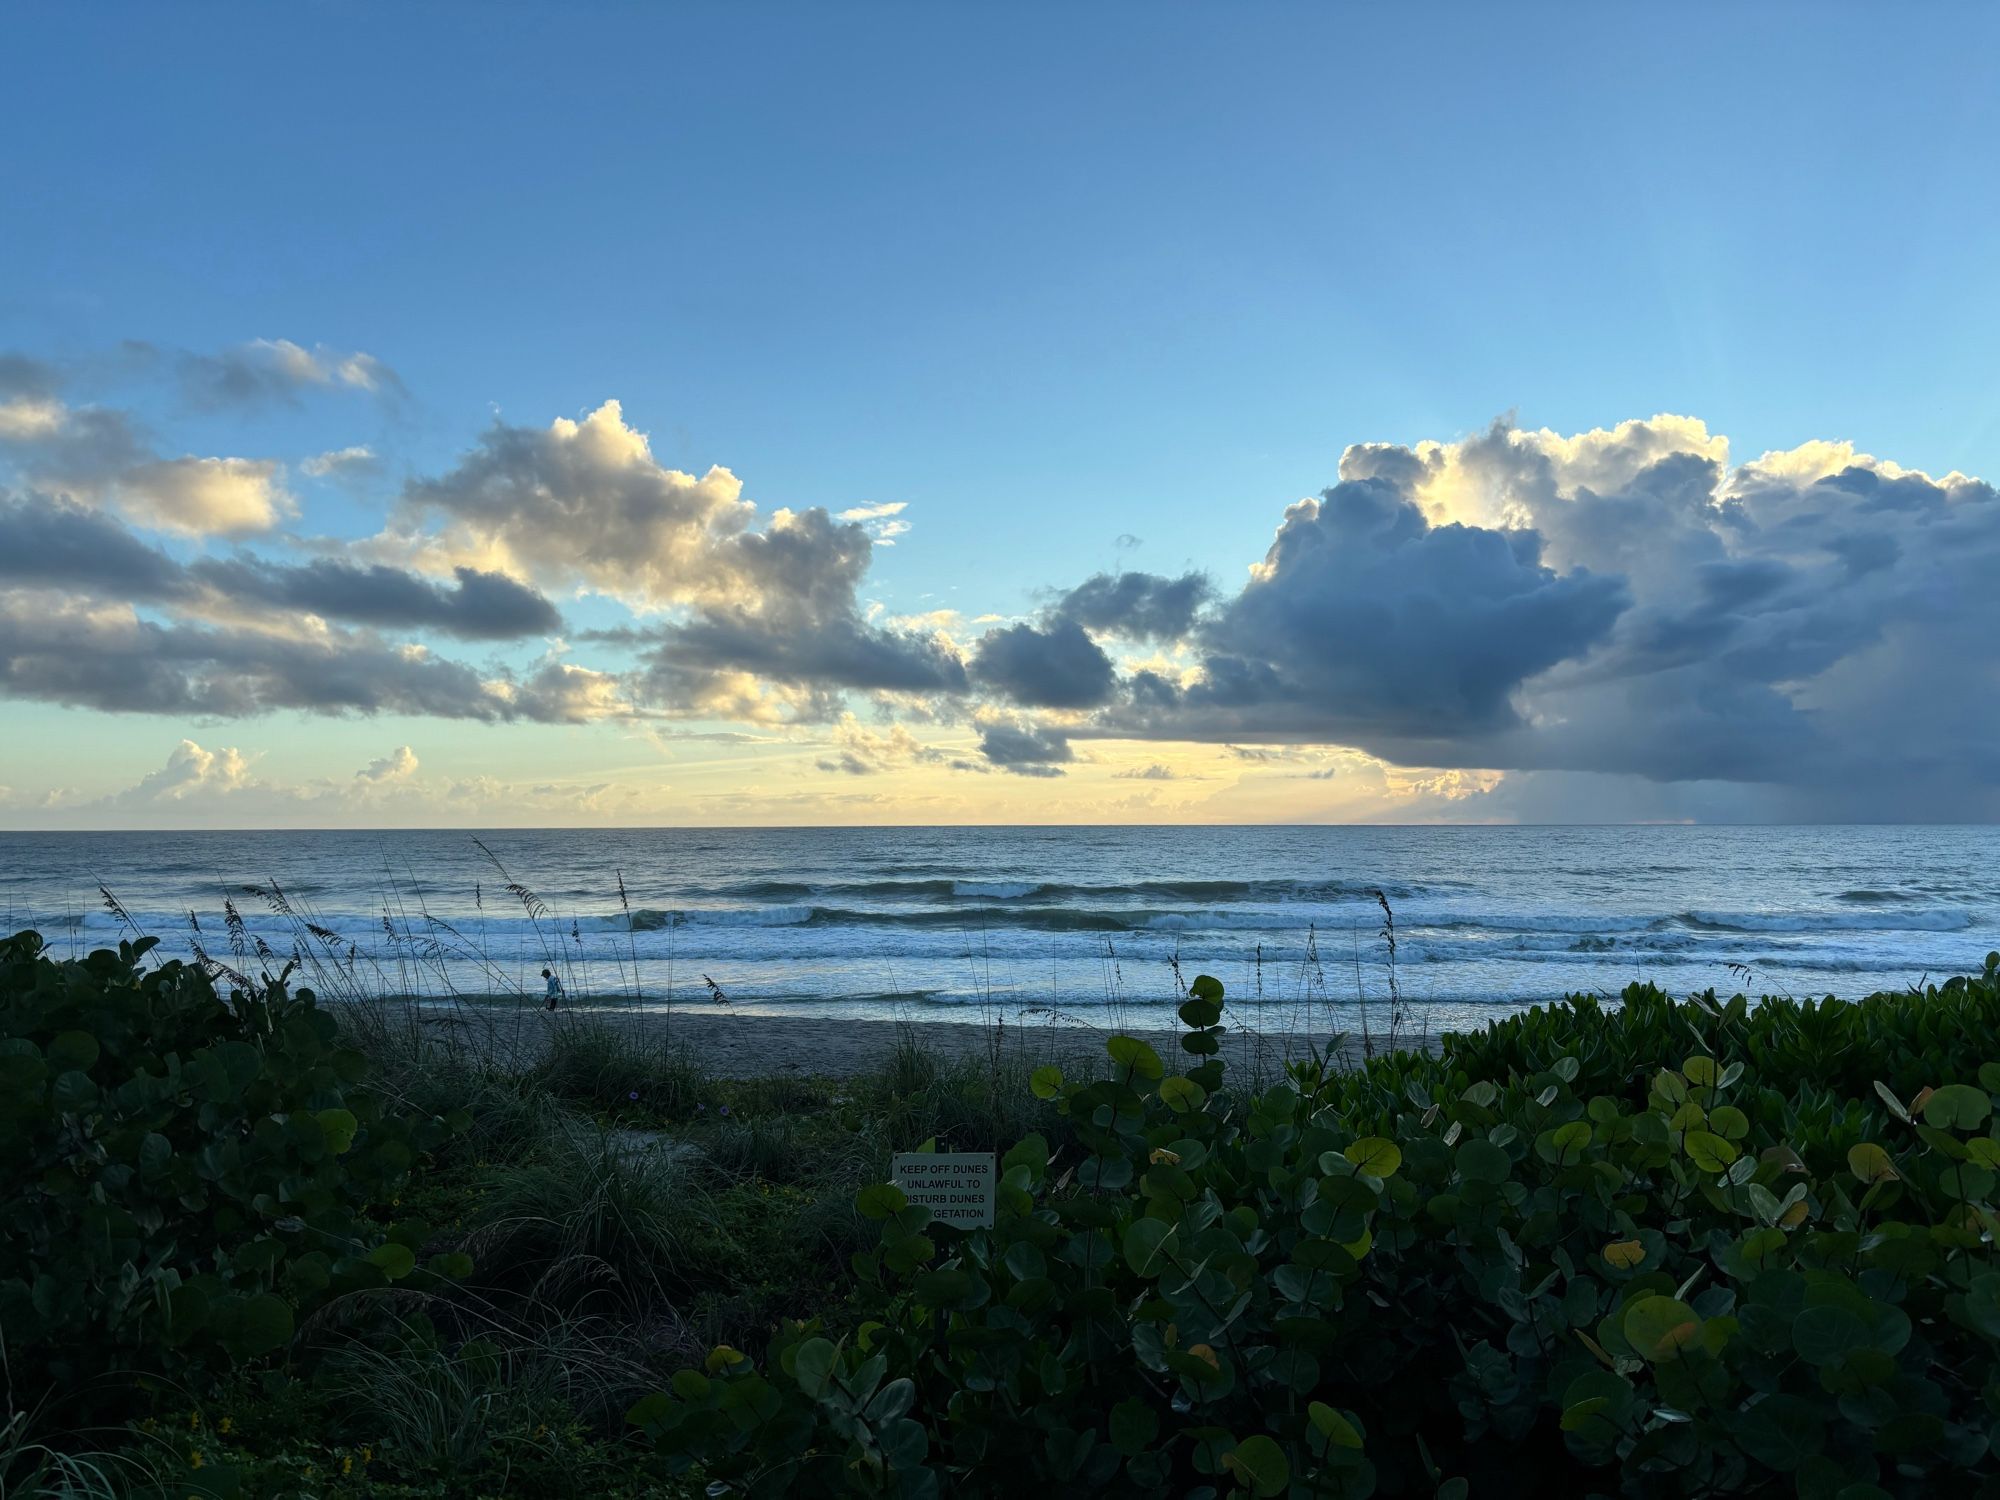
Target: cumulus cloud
(1057, 666)
(98, 455)
(1632, 602)
(766, 620)
(1142, 606)
(1366, 624)
(399, 764)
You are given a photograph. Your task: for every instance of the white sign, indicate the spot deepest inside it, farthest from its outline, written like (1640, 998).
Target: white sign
(958, 1187)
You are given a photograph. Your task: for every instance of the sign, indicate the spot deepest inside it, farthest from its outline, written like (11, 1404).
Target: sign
(958, 1187)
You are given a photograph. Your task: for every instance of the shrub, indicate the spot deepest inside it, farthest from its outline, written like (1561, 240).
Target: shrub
(184, 1175)
(1689, 1273)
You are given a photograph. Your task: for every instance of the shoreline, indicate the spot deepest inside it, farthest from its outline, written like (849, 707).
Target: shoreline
(753, 1045)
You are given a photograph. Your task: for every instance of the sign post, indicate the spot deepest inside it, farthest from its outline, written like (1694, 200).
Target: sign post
(958, 1187)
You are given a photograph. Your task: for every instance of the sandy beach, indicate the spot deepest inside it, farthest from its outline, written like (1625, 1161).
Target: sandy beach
(746, 1045)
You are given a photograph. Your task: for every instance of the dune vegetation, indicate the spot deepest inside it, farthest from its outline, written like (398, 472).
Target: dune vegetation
(255, 1245)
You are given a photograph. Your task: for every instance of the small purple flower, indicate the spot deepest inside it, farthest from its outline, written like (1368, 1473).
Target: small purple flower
(701, 1109)
(725, 1111)
(633, 1095)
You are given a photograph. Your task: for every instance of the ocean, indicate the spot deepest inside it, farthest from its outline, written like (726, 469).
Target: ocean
(1086, 924)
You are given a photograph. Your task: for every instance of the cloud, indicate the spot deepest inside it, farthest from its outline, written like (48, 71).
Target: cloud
(1058, 666)
(88, 654)
(97, 455)
(584, 503)
(399, 764)
(48, 542)
(860, 751)
(190, 772)
(1142, 606)
(203, 496)
(1623, 603)
(342, 463)
(483, 606)
(278, 370)
(1157, 771)
(873, 512)
(1365, 624)
(770, 625)
(1025, 749)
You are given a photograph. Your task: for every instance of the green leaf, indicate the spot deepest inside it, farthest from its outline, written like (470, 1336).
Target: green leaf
(1581, 1415)
(1200, 1012)
(1148, 1248)
(648, 1410)
(393, 1260)
(1374, 1156)
(257, 1326)
(812, 1365)
(1261, 1464)
(1701, 1072)
(72, 1049)
(1130, 1053)
(1870, 1163)
(1781, 1432)
(340, 1127)
(1708, 1150)
(1957, 1106)
(1134, 1425)
(155, 1152)
(1046, 1081)
(455, 1264)
(880, 1200)
(1826, 1335)
(1333, 1426)
(1626, 1255)
(1660, 1327)
(74, 1093)
(904, 1444)
(893, 1400)
(1727, 1120)
(1895, 1104)
(1482, 1161)
(1181, 1094)
(1207, 987)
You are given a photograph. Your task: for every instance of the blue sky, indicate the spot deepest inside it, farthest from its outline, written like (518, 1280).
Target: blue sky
(1045, 276)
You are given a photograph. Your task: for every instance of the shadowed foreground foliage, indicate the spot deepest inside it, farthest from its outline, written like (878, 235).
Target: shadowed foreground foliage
(1699, 1247)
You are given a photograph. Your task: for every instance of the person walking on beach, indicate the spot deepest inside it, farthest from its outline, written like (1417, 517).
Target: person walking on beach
(555, 988)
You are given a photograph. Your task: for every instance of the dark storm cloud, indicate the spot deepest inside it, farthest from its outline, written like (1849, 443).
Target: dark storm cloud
(1059, 666)
(1025, 750)
(1368, 625)
(1143, 606)
(47, 542)
(1812, 623)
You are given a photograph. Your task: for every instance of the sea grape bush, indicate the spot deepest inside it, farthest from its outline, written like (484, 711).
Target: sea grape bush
(1902, 1038)
(1683, 1273)
(184, 1175)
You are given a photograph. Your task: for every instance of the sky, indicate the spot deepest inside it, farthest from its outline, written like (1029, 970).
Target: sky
(765, 414)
